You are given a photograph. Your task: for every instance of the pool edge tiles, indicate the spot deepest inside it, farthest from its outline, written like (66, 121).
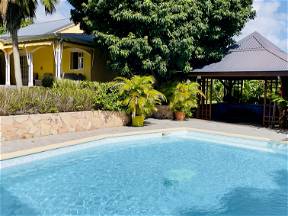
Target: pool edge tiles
(53, 146)
(214, 138)
(39, 149)
(11, 162)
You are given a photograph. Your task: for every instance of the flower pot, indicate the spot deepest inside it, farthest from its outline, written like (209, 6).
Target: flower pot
(138, 121)
(180, 116)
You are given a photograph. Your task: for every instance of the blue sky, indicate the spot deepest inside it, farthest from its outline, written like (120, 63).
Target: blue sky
(271, 19)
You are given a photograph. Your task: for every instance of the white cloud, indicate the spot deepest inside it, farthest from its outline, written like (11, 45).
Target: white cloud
(62, 11)
(271, 21)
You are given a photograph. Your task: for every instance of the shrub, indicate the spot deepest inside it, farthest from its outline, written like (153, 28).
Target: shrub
(47, 81)
(26, 101)
(65, 96)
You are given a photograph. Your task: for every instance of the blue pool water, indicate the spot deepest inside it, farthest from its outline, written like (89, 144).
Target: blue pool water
(151, 175)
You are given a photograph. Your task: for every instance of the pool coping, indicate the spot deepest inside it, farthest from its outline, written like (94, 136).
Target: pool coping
(35, 150)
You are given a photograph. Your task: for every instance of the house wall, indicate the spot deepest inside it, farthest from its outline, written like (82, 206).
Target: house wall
(43, 61)
(95, 67)
(72, 29)
(86, 71)
(100, 70)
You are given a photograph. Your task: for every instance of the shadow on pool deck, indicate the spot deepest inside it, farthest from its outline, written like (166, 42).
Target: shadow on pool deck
(251, 201)
(11, 205)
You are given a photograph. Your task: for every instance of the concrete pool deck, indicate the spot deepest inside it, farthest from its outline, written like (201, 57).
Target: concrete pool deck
(16, 148)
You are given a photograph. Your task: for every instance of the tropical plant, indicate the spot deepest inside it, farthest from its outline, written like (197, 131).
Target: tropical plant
(12, 14)
(138, 95)
(253, 91)
(185, 97)
(280, 101)
(168, 89)
(283, 105)
(163, 36)
(24, 23)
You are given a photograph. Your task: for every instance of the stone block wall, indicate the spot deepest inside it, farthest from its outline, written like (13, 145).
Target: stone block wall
(37, 125)
(163, 112)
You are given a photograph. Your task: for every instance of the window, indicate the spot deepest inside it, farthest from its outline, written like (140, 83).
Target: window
(24, 69)
(76, 60)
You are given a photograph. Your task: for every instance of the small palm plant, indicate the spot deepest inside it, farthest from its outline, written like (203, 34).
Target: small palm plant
(283, 108)
(185, 98)
(139, 97)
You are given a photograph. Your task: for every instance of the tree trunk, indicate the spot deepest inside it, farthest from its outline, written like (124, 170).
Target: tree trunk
(16, 57)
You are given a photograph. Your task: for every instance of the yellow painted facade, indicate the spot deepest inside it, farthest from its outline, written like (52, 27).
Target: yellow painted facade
(94, 66)
(72, 29)
(43, 61)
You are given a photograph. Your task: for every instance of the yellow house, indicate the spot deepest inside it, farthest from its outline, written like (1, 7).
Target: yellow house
(55, 48)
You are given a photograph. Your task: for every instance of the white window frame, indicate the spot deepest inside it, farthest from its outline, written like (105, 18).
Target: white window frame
(80, 60)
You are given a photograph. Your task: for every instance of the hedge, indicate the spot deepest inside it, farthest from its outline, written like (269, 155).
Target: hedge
(64, 96)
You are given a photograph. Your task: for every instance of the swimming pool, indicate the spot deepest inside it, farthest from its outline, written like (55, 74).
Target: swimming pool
(183, 173)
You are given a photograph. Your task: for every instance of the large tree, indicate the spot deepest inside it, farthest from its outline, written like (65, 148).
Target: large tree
(12, 14)
(161, 36)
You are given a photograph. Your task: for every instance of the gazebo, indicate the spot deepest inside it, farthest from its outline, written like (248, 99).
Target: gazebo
(252, 58)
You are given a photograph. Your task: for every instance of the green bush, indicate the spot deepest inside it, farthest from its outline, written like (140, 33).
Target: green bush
(47, 81)
(26, 101)
(64, 96)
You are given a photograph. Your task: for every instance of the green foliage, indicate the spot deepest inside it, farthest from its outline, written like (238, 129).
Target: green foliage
(280, 101)
(185, 97)
(24, 23)
(162, 36)
(26, 101)
(138, 94)
(253, 91)
(106, 95)
(283, 105)
(65, 96)
(217, 92)
(47, 81)
(168, 89)
(19, 13)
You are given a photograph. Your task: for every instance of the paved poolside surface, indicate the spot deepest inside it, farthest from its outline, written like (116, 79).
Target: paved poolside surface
(150, 125)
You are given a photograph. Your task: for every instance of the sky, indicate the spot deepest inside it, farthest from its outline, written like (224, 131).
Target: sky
(271, 20)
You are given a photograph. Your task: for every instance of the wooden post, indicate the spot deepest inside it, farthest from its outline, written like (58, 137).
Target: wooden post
(211, 91)
(264, 103)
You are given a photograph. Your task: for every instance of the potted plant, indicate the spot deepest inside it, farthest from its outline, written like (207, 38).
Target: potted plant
(139, 96)
(185, 98)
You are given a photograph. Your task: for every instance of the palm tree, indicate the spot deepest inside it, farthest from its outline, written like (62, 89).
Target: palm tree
(13, 12)
(139, 96)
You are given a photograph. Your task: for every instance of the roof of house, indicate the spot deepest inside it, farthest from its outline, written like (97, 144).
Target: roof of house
(253, 53)
(47, 31)
(42, 28)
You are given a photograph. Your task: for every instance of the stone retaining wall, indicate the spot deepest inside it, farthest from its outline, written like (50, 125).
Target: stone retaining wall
(37, 125)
